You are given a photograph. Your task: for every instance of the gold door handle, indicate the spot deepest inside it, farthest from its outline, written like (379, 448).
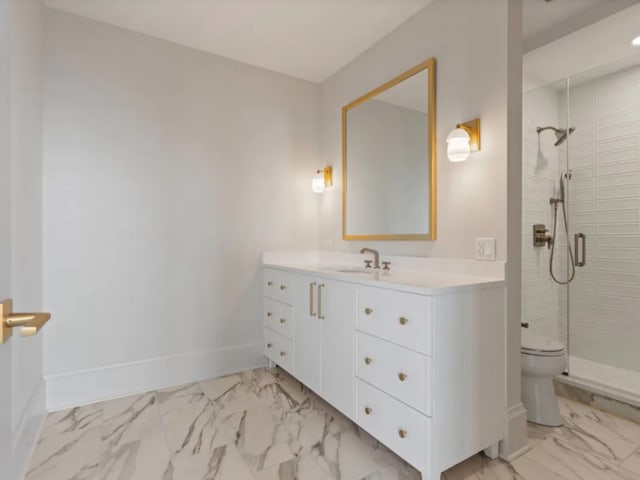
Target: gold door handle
(367, 410)
(402, 377)
(402, 433)
(269, 314)
(320, 316)
(282, 320)
(368, 311)
(282, 287)
(269, 283)
(282, 354)
(311, 286)
(269, 345)
(368, 360)
(29, 323)
(403, 320)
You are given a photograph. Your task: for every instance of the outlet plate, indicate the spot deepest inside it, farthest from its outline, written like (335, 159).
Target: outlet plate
(486, 249)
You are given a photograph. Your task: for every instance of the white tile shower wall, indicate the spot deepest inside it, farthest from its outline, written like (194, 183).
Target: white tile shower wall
(540, 174)
(605, 205)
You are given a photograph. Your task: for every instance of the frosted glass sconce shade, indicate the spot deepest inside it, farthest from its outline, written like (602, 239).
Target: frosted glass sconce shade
(322, 179)
(463, 140)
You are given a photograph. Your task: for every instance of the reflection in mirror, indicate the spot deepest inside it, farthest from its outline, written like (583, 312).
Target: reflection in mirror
(388, 164)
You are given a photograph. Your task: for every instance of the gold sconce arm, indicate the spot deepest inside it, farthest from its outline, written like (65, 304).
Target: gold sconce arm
(29, 323)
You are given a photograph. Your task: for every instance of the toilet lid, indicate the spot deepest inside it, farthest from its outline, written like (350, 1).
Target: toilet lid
(539, 343)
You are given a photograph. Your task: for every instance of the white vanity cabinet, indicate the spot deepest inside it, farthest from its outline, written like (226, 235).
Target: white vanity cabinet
(324, 335)
(421, 368)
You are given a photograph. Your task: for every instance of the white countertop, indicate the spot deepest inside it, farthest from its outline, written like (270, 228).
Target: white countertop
(422, 275)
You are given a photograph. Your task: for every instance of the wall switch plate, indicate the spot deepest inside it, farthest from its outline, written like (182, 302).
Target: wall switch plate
(486, 249)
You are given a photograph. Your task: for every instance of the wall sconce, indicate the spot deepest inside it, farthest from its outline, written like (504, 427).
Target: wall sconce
(463, 140)
(322, 179)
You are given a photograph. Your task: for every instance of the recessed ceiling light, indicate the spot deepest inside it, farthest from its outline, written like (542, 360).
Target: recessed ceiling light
(636, 41)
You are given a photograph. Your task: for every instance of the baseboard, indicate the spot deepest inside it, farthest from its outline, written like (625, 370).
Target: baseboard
(89, 386)
(514, 444)
(27, 431)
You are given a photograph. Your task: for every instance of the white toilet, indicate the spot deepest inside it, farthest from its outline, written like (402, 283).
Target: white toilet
(542, 358)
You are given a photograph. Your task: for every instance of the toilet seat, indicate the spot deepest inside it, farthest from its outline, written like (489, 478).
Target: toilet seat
(541, 346)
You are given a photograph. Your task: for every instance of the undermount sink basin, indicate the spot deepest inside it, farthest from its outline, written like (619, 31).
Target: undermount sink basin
(355, 270)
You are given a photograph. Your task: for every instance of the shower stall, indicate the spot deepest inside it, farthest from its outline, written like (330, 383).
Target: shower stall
(581, 225)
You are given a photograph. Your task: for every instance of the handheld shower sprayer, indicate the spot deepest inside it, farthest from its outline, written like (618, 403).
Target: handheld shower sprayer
(564, 177)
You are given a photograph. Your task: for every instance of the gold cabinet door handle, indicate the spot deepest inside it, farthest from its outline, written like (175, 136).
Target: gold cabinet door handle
(320, 315)
(282, 287)
(269, 314)
(282, 354)
(283, 321)
(269, 283)
(403, 320)
(368, 360)
(311, 288)
(368, 311)
(402, 433)
(402, 377)
(29, 323)
(269, 345)
(367, 410)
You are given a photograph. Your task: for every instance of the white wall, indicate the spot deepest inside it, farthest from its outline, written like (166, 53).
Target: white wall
(477, 46)
(470, 83)
(167, 172)
(28, 398)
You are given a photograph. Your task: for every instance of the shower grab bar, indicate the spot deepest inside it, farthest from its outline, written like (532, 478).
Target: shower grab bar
(577, 237)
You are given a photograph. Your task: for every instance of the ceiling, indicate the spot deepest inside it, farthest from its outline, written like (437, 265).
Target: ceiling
(308, 39)
(546, 21)
(598, 49)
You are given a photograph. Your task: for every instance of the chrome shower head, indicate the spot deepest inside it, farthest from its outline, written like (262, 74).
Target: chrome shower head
(561, 133)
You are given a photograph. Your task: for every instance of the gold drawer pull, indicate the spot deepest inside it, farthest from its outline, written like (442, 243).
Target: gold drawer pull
(402, 377)
(282, 320)
(282, 354)
(282, 287)
(367, 410)
(403, 320)
(402, 433)
(368, 360)
(269, 283)
(269, 345)
(368, 311)
(269, 314)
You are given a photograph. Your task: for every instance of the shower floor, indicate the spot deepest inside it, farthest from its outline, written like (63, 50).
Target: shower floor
(614, 382)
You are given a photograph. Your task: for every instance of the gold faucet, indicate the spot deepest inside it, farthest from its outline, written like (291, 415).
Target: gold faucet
(376, 257)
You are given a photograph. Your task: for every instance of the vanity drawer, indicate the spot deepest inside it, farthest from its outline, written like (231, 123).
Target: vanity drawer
(402, 373)
(398, 426)
(278, 349)
(278, 285)
(401, 318)
(278, 317)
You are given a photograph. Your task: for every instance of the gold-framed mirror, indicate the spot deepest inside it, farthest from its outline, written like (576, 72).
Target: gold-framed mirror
(389, 159)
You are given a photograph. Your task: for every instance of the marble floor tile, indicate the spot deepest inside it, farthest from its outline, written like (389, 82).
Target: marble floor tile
(69, 446)
(260, 437)
(129, 419)
(143, 459)
(224, 463)
(263, 424)
(234, 393)
(190, 423)
(572, 463)
(632, 464)
(302, 467)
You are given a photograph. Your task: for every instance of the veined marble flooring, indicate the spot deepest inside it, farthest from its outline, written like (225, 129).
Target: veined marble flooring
(261, 425)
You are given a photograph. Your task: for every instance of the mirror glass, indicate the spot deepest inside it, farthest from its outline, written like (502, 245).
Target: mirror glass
(389, 160)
